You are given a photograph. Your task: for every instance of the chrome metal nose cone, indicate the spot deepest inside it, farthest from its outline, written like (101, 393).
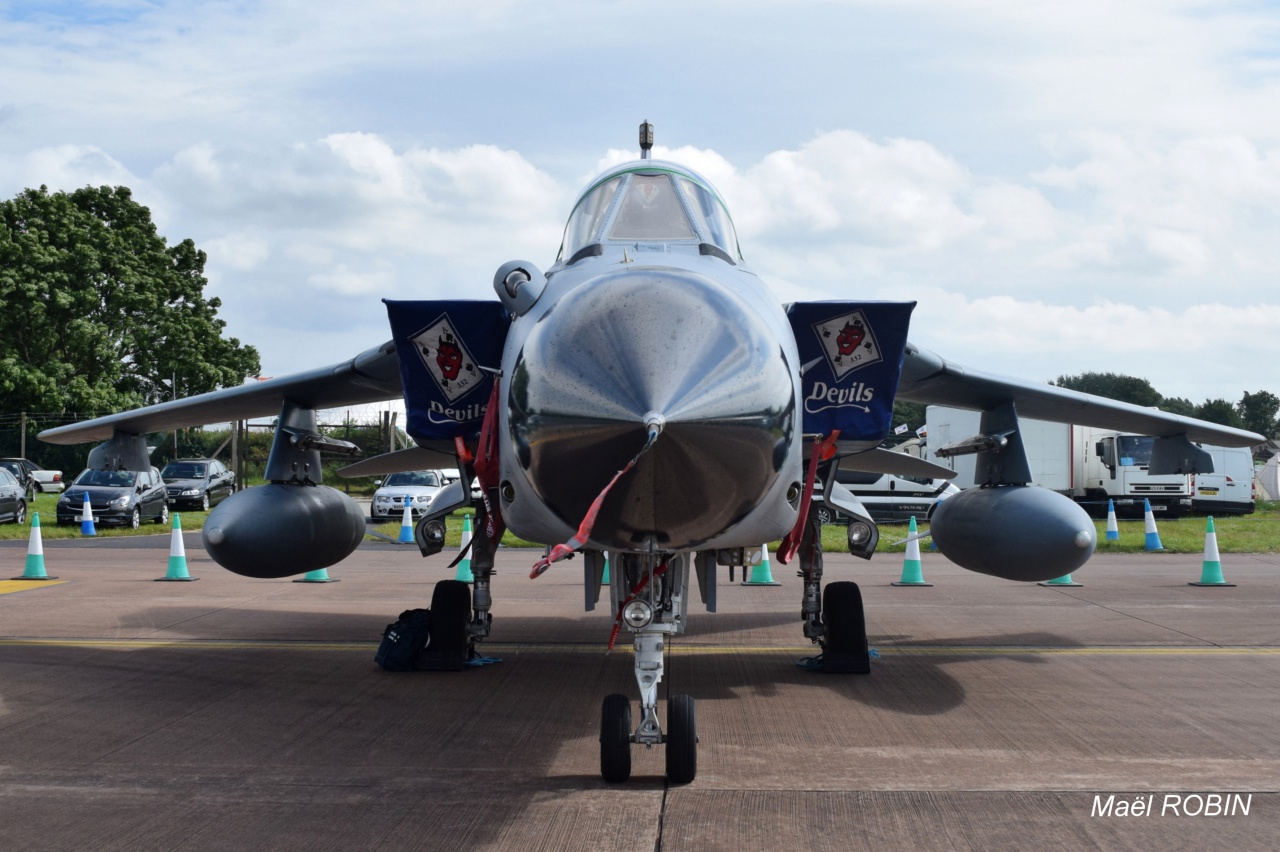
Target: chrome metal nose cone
(636, 350)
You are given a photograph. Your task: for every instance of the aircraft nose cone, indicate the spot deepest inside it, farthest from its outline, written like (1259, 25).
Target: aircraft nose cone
(625, 348)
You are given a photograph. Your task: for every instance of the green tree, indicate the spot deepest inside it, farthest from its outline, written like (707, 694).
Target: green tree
(1112, 386)
(909, 413)
(97, 312)
(1260, 412)
(1219, 411)
(1178, 405)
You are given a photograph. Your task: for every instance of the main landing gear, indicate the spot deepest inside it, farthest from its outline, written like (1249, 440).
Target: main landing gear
(843, 633)
(652, 591)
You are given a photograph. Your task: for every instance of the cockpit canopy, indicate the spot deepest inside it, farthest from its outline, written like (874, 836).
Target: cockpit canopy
(649, 201)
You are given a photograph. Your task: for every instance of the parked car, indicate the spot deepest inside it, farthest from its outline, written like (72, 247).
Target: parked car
(888, 498)
(417, 485)
(197, 483)
(33, 477)
(124, 497)
(13, 498)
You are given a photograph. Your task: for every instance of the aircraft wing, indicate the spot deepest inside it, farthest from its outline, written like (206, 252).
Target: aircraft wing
(930, 379)
(371, 376)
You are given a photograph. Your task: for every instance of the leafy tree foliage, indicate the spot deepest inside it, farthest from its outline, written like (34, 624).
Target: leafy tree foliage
(1219, 411)
(97, 312)
(1260, 413)
(910, 413)
(1178, 405)
(1112, 386)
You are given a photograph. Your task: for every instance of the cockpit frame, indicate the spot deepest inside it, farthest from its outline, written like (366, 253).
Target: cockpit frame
(614, 201)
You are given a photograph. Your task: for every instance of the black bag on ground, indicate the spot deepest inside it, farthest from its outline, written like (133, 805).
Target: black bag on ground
(403, 641)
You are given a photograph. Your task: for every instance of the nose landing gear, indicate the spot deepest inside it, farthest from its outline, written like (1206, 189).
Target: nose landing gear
(663, 585)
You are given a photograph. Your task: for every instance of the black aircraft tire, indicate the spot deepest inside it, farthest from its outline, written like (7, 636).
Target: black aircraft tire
(615, 739)
(844, 645)
(450, 613)
(682, 740)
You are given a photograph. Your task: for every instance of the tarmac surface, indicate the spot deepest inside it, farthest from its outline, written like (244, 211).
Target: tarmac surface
(231, 713)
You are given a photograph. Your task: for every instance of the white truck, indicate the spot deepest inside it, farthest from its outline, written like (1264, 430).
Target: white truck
(1092, 466)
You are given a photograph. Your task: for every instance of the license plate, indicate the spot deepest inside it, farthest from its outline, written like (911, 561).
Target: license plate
(1158, 508)
(1209, 491)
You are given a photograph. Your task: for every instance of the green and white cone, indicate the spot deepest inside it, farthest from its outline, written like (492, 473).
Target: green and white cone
(912, 570)
(1064, 580)
(762, 573)
(177, 555)
(34, 569)
(464, 567)
(320, 575)
(1211, 573)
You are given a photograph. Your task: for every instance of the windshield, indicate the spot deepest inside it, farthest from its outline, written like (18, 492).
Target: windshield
(183, 471)
(656, 203)
(414, 477)
(108, 478)
(1135, 449)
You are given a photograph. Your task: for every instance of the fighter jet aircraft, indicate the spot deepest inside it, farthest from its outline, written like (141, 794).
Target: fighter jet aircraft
(647, 397)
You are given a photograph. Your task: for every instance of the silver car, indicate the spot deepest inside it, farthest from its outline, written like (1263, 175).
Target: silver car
(417, 485)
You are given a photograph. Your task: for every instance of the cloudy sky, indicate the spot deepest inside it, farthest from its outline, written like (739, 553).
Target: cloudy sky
(1061, 186)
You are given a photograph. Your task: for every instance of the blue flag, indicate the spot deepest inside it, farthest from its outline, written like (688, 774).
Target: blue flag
(447, 350)
(851, 356)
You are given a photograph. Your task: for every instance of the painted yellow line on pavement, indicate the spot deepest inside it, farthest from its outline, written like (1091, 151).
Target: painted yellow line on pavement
(497, 648)
(8, 587)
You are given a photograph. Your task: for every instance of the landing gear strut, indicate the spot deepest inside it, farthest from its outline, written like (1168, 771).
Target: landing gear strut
(651, 592)
(843, 633)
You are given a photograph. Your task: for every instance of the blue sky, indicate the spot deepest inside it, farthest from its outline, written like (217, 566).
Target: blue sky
(1062, 187)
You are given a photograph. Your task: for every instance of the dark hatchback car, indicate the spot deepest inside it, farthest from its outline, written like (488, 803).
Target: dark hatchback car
(13, 498)
(125, 497)
(198, 483)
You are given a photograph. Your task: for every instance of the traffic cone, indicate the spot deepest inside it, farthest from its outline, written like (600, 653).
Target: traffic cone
(912, 571)
(1211, 573)
(1153, 535)
(1064, 580)
(320, 575)
(464, 567)
(1113, 529)
(177, 555)
(605, 578)
(86, 518)
(35, 554)
(406, 522)
(761, 574)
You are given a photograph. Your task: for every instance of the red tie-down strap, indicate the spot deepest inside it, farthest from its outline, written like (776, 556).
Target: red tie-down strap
(487, 468)
(824, 449)
(560, 551)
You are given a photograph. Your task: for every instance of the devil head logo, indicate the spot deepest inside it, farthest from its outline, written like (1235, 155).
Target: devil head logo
(850, 336)
(849, 342)
(448, 356)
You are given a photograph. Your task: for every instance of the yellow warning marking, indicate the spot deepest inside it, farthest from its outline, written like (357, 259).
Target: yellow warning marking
(498, 648)
(8, 587)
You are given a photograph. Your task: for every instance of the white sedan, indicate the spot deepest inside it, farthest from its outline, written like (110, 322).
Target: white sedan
(416, 485)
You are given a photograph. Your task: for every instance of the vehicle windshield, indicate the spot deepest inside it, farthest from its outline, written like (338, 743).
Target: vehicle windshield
(184, 470)
(414, 477)
(1135, 449)
(13, 467)
(108, 478)
(654, 203)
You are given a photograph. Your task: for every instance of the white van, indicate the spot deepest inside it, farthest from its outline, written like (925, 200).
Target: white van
(888, 498)
(1229, 489)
